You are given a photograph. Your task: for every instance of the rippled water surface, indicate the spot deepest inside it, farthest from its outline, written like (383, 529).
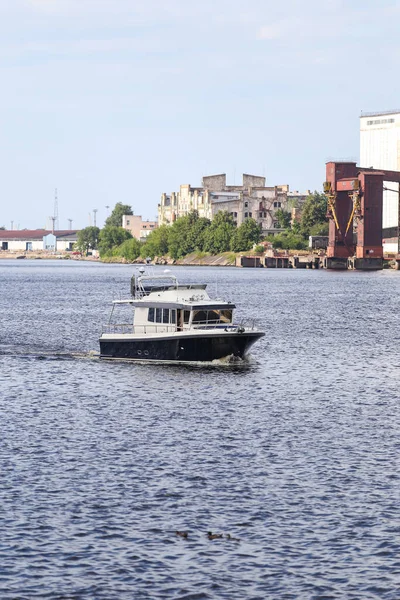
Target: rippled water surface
(295, 453)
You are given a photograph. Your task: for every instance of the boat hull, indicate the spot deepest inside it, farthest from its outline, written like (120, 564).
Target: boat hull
(179, 348)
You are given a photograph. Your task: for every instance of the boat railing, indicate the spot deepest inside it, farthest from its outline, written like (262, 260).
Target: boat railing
(151, 328)
(248, 324)
(145, 329)
(146, 284)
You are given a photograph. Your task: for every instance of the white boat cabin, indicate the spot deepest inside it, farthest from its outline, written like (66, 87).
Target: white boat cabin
(160, 306)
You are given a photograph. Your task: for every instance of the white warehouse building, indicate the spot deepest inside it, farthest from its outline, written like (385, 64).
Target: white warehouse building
(31, 240)
(380, 149)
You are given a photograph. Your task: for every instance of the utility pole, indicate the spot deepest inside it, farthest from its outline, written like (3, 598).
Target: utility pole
(70, 224)
(95, 210)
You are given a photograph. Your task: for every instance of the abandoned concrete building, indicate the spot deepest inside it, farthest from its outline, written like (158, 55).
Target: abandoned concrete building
(252, 199)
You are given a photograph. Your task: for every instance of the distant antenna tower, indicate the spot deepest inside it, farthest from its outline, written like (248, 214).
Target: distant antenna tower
(55, 214)
(95, 210)
(70, 224)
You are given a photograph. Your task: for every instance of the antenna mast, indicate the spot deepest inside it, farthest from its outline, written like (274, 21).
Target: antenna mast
(55, 215)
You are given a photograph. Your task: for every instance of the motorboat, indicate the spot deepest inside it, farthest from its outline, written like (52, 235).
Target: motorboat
(166, 321)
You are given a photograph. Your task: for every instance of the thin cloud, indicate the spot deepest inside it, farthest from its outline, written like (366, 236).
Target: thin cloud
(273, 32)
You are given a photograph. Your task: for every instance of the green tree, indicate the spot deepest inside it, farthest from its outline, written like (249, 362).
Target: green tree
(197, 233)
(217, 237)
(178, 244)
(115, 219)
(156, 243)
(130, 249)
(283, 217)
(314, 211)
(187, 234)
(245, 236)
(87, 239)
(296, 227)
(289, 241)
(110, 237)
(320, 229)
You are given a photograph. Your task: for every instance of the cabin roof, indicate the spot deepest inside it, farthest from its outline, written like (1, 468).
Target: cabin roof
(197, 305)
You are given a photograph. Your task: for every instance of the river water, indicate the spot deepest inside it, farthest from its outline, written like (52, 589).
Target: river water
(296, 452)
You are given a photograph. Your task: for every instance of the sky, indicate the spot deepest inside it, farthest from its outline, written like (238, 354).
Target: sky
(120, 100)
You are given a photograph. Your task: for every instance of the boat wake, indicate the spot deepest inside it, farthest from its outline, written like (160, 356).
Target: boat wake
(55, 355)
(228, 362)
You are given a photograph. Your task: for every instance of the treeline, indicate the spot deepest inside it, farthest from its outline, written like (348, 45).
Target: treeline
(192, 233)
(198, 234)
(187, 234)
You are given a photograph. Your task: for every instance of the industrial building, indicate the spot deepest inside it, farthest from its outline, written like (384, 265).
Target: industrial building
(380, 149)
(27, 240)
(252, 199)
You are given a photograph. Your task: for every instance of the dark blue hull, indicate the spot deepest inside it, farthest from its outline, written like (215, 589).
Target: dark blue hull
(181, 349)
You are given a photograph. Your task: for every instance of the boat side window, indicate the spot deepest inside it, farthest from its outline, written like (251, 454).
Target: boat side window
(213, 316)
(226, 316)
(199, 316)
(158, 315)
(165, 315)
(186, 316)
(151, 315)
(173, 316)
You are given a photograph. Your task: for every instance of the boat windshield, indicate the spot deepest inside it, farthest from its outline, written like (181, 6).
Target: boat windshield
(212, 317)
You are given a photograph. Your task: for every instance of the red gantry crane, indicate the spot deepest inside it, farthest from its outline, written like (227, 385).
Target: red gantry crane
(355, 199)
